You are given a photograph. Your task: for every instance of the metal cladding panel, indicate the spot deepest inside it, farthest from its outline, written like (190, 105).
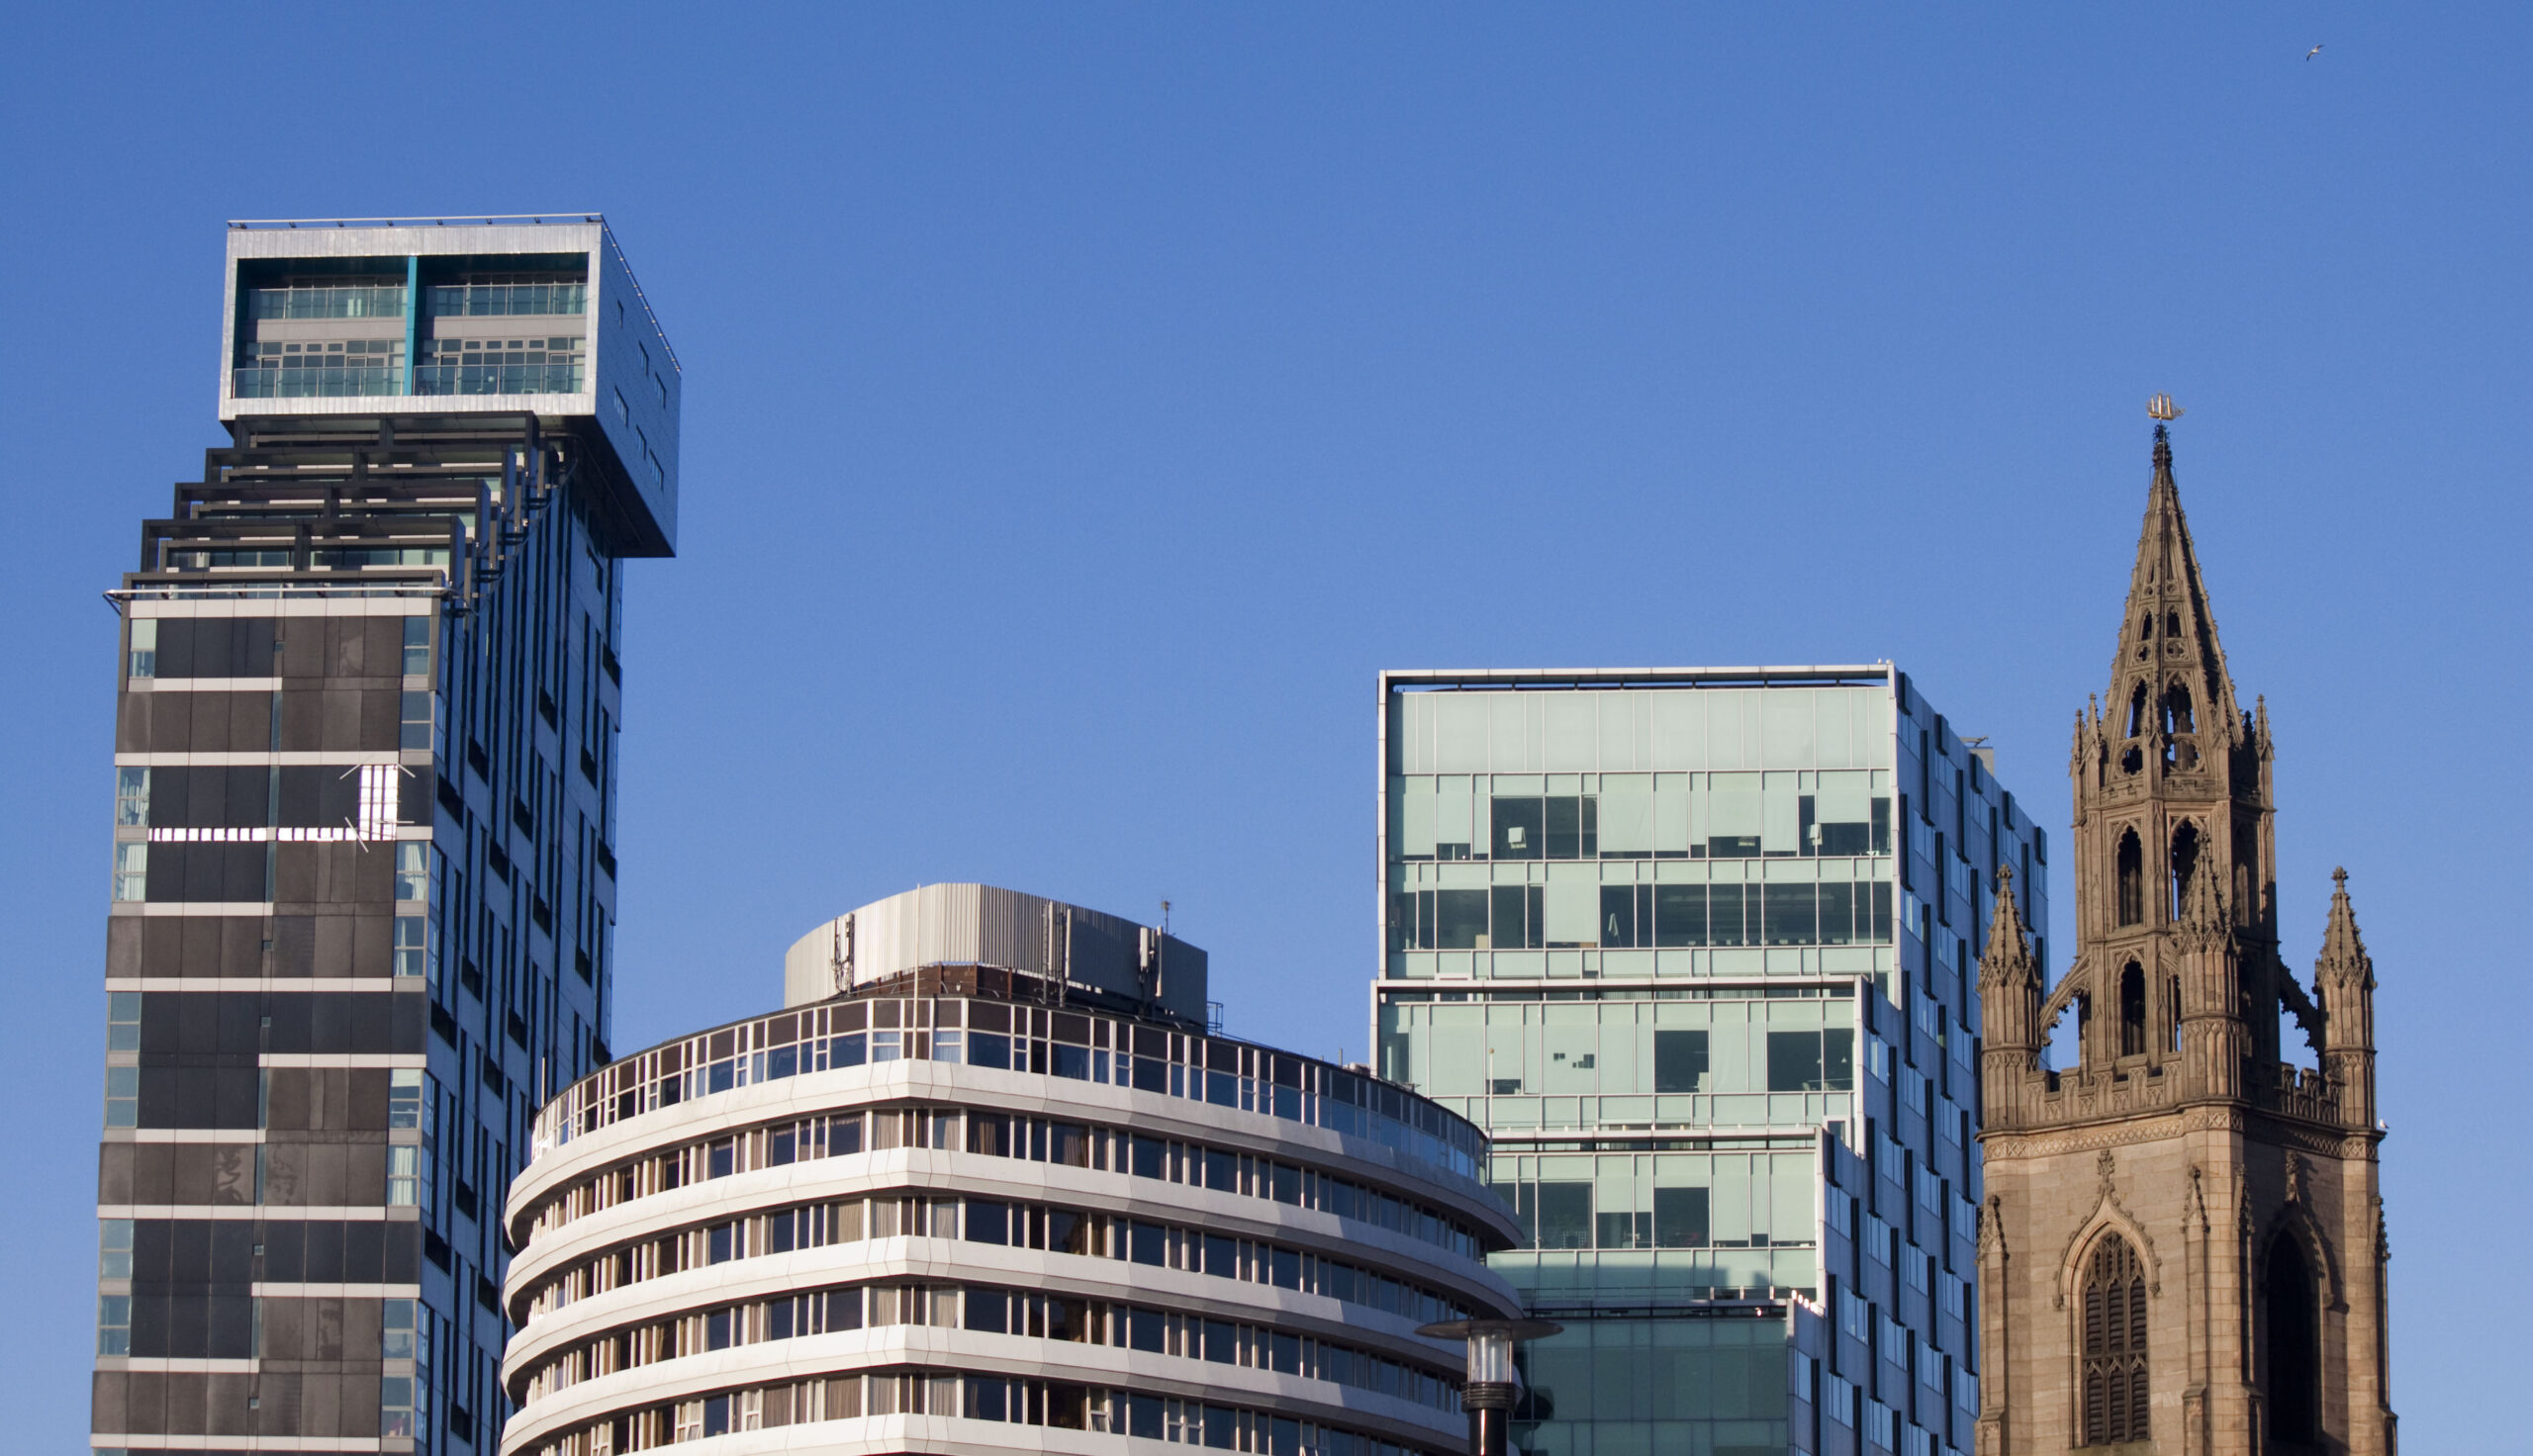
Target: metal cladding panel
(637, 391)
(984, 924)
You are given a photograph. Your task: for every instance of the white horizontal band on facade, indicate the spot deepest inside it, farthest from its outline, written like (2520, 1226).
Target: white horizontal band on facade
(1344, 1343)
(917, 1348)
(383, 985)
(266, 1213)
(287, 757)
(279, 599)
(917, 1082)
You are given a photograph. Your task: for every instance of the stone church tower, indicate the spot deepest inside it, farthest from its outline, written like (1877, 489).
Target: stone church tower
(2182, 1250)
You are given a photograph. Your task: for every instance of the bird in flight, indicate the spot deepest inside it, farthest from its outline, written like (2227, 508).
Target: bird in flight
(2309, 55)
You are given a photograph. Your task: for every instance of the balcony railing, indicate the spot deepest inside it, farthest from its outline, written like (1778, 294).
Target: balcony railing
(317, 382)
(474, 300)
(328, 301)
(497, 378)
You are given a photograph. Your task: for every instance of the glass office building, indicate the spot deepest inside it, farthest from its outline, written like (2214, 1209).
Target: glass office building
(362, 881)
(1699, 949)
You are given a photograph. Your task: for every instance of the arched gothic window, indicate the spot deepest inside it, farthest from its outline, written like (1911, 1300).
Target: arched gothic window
(2136, 712)
(2114, 1334)
(2294, 1345)
(2177, 714)
(2132, 1011)
(2172, 1014)
(2185, 862)
(2133, 881)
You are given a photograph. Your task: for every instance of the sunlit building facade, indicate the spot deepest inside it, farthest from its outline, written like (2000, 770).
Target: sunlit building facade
(363, 862)
(987, 1182)
(1699, 950)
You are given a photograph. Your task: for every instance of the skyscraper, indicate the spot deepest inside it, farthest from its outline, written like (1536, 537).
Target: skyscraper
(1699, 949)
(363, 875)
(2184, 1247)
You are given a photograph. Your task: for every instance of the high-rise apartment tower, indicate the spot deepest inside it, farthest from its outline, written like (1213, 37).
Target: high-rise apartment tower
(364, 776)
(1699, 947)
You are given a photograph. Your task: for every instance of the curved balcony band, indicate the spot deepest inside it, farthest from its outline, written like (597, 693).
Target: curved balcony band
(962, 1207)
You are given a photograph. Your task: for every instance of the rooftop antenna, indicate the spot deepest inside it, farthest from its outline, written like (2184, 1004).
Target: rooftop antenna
(2161, 407)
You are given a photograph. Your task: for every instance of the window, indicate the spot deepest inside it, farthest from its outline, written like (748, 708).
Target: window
(131, 798)
(402, 1334)
(2115, 1335)
(114, 1248)
(1681, 1218)
(1724, 923)
(2132, 1011)
(114, 1324)
(1812, 1061)
(132, 871)
(1793, 914)
(1460, 920)
(2294, 1345)
(404, 1176)
(413, 869)
(2185, 862)
(412, 948)
(1520, 917)
(2133, 881)
(1564, 1215)
(145, 647)
(1520, 829)
(418, 645)
(123, 1021)
(398, 1395)
(1627, 916)
(414, 728)
(122, 1096)
(1679, 915)
(405, 1097)
(1679, 1061)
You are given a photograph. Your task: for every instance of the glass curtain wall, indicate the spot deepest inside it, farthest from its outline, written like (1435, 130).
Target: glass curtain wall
(1700, 955)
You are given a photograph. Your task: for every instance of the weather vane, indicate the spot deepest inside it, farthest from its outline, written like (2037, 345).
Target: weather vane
(2161, 407)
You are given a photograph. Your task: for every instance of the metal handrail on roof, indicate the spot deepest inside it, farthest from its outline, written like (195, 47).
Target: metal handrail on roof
(489, 220)
(485, 220)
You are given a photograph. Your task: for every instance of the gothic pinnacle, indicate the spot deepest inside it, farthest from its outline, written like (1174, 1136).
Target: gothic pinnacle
(2008, 954)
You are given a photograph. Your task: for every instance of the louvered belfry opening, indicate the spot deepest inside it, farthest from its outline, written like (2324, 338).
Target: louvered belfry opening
(2115, 1384)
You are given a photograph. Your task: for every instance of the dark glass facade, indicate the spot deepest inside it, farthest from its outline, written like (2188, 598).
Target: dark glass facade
(362, 893)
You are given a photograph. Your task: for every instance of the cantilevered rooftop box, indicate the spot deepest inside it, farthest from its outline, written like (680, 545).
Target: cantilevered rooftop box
(451, 317)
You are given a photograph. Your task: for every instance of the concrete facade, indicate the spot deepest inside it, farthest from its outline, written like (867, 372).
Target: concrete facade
(975, 1208)
(2182, 1248)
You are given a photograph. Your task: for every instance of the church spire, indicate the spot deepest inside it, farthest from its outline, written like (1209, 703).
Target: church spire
(2168, 681)
(2344, 984)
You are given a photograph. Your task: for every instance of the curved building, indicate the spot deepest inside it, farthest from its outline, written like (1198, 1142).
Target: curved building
(986, 1185)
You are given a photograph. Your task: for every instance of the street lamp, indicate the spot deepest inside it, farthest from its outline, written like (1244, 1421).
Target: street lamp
(1492, 1383)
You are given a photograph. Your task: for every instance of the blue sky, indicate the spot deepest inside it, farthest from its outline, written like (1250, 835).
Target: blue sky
(1084, 402)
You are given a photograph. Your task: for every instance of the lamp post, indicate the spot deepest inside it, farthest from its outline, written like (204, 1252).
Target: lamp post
(1493, 1383)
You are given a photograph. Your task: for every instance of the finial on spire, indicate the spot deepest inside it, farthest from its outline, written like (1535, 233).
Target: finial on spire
(2343, 956)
